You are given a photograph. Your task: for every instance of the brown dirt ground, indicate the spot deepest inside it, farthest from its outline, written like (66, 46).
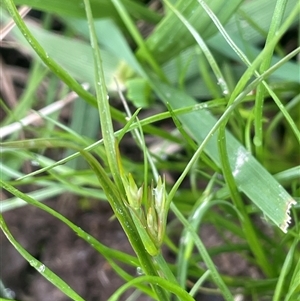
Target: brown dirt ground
(54, 244)
(77, 263)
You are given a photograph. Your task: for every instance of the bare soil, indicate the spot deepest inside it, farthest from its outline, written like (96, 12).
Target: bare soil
(54, 244)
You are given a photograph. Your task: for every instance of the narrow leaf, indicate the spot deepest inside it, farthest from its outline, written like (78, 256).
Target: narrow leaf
(250, 176)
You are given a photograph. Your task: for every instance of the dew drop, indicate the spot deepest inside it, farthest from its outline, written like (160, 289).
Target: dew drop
(239, 297)
(139, 271)
(41, 268)
(225, 92)
(221, 82)
(223, 85)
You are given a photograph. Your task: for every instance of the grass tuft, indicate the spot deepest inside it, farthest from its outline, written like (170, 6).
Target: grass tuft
(214, 140)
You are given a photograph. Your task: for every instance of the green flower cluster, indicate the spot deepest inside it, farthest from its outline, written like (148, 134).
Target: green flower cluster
(147, 207)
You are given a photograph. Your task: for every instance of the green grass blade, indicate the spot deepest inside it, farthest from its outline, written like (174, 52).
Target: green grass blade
(285, 113)
(40, 195)
(111, 39)
(279, 291)
(49, 62)
(148, 56)
(39, 266)
(102, 102)
(287, 73)
(206, 258)
(248, 227)
(170, 37)
(294, 289)
(167, 285)
(250, 176)
(257, 16)
(205, 49)
(258, 119)
(186, 243)
(111, 152)
(255, 64)
(101, 9)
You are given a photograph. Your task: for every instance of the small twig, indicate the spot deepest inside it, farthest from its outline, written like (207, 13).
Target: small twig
(23, 11)
(38, 115)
